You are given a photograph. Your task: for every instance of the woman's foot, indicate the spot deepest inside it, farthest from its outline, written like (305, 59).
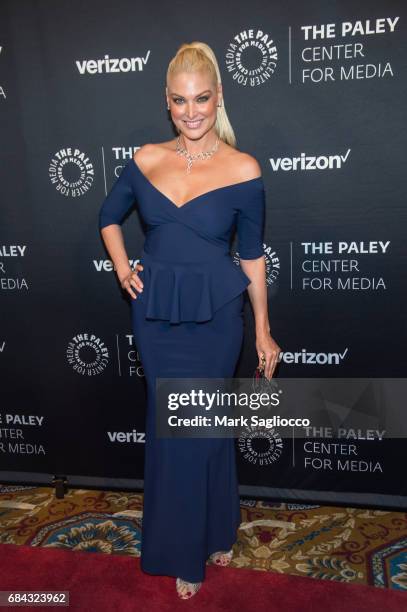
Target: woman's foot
(186, 589)
(222, 558)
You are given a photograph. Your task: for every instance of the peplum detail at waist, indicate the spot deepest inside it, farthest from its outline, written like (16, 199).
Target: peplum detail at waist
(180, 292)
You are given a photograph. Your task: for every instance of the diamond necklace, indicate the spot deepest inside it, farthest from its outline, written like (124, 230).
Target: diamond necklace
(191, 157)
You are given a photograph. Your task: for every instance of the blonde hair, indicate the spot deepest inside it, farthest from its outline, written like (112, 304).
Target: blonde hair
(195, 56)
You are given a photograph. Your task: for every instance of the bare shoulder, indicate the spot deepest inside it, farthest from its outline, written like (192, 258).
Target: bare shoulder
(150, 154)
(246, 167)
(249, 167)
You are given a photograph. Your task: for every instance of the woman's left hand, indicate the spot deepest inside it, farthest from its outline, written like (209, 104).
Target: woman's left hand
(265, 345)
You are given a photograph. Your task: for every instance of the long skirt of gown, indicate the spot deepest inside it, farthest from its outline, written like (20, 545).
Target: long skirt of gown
(191, 504)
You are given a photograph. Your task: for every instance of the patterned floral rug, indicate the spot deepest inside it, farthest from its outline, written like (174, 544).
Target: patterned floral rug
(331, 543)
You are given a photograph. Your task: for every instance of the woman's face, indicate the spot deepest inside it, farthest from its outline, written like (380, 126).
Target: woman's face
(193, 99)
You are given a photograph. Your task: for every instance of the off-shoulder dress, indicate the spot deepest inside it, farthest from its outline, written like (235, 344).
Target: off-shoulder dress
(188, 323)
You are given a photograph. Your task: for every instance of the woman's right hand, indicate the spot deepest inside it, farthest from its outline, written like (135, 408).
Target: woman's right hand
(131, 279)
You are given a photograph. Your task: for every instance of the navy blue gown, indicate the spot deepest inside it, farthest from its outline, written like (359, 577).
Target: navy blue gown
(188, 322)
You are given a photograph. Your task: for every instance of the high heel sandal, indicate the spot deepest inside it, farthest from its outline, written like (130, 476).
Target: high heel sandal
(222, 558)
(186, 589)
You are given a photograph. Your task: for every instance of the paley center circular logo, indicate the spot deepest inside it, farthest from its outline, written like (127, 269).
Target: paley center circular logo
(260, 445)
(272, 264)
(251, 57)
(71, 172)
(87, 354)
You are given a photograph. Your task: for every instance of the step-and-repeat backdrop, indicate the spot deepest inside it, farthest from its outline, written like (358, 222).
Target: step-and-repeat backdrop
(317, 93)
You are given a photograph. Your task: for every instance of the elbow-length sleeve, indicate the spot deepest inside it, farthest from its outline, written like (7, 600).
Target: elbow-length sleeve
(119, 199)
(251, 222)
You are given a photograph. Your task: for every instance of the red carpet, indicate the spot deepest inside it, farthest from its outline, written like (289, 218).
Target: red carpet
(112, 582)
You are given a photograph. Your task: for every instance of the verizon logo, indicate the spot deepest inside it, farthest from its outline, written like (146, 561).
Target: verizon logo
(126, 436)
(309, 162)
(106, 265)
(312, 358)
(109, 65)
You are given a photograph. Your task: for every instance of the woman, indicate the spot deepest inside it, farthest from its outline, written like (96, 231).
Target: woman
(187, 307)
